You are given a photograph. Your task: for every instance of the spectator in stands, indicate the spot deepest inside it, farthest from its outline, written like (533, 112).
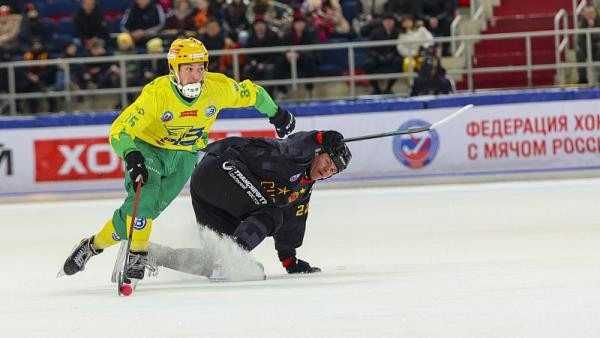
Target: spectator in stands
(202, 14)
(89, 22)
(326, 16)
(143, 20)
(32, 27)
(432, 78)
(413, 39)
(15, 5)
(261, 66)
(10, 24)
(226, 61)
(71, 50)
(155, 67)
(167, 5)
(125, 46)
(180, 21)
(36, 78)
(384, 59)
(277, 14)
(234, 19)
(213, 39)
(373, 8)
(368, 16)
(4, 57)
(299, 34)
(95, 73)
(437, 16)
(589, 19)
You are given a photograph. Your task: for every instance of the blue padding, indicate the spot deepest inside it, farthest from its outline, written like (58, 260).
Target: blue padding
(329, 107)
(499, 98)
(585, 94)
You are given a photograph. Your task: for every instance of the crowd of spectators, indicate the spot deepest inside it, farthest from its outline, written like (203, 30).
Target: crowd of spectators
(42, 29)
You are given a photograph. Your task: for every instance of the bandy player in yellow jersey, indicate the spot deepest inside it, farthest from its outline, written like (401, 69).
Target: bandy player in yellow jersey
(159, 136)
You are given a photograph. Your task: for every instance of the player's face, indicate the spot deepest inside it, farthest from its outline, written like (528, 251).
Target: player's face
(322, 167)
(191, 73)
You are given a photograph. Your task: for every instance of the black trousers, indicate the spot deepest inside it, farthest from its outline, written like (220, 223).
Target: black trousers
(228, 199)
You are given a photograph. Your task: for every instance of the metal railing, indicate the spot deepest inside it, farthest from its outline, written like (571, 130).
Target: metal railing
(577, 9)
(352, 77)
(456, 48)
(561, 38)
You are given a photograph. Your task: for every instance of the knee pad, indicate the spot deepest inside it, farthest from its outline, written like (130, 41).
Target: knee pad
(256, 227)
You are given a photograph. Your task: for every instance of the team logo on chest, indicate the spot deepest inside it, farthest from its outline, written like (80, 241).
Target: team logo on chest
(210, 111)
(293, 197)
(167, 116)
(295, 177)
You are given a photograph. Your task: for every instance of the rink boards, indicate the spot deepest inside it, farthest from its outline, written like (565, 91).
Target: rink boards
(489, 140)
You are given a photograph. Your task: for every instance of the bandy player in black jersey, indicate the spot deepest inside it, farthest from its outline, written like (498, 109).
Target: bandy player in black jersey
(251, 188)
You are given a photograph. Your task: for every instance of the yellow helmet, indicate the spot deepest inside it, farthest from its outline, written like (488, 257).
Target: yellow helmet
(186, 51)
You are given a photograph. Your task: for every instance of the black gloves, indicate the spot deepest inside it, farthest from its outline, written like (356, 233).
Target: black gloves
(331, 140)
(283, 121)
(295, 265)
(136, 167)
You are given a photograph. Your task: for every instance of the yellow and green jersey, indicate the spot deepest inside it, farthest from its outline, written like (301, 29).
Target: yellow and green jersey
(160, 116)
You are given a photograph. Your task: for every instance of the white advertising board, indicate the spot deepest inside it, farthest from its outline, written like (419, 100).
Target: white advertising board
(511, 138)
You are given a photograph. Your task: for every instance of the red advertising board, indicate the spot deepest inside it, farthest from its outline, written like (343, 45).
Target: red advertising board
(73, 159)
(76, 159)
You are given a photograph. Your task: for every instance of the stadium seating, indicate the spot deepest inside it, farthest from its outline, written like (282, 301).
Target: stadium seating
(517, 16)
(334, 61)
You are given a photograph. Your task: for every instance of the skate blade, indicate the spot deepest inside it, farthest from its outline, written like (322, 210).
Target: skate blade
(61, 271)
(119, 262)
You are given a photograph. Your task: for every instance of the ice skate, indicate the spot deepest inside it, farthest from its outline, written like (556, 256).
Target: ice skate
(136, 266)
(79, 257)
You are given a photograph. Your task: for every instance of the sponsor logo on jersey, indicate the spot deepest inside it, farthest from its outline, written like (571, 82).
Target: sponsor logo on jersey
(244, 183)
(295, 177)
(140, 223)
(416, 151)
(167, 116)
(192, 113)
(210, 111)
(115, 237)
(293, 197)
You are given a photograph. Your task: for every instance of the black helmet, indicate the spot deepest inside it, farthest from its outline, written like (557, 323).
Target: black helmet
(341, 156)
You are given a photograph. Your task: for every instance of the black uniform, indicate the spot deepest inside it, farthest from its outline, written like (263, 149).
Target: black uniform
(250, 188)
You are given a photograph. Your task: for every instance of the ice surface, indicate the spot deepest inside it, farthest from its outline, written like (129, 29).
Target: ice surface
(490, 260)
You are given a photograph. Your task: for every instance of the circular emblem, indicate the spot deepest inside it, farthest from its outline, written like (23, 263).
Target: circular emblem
(293, 196)
(416, 151)
(210, 111)
(139, 223)
(115, 237)
(167, 116)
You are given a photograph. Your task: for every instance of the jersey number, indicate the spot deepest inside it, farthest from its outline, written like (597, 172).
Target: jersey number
(244, 92)
(302, 210)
